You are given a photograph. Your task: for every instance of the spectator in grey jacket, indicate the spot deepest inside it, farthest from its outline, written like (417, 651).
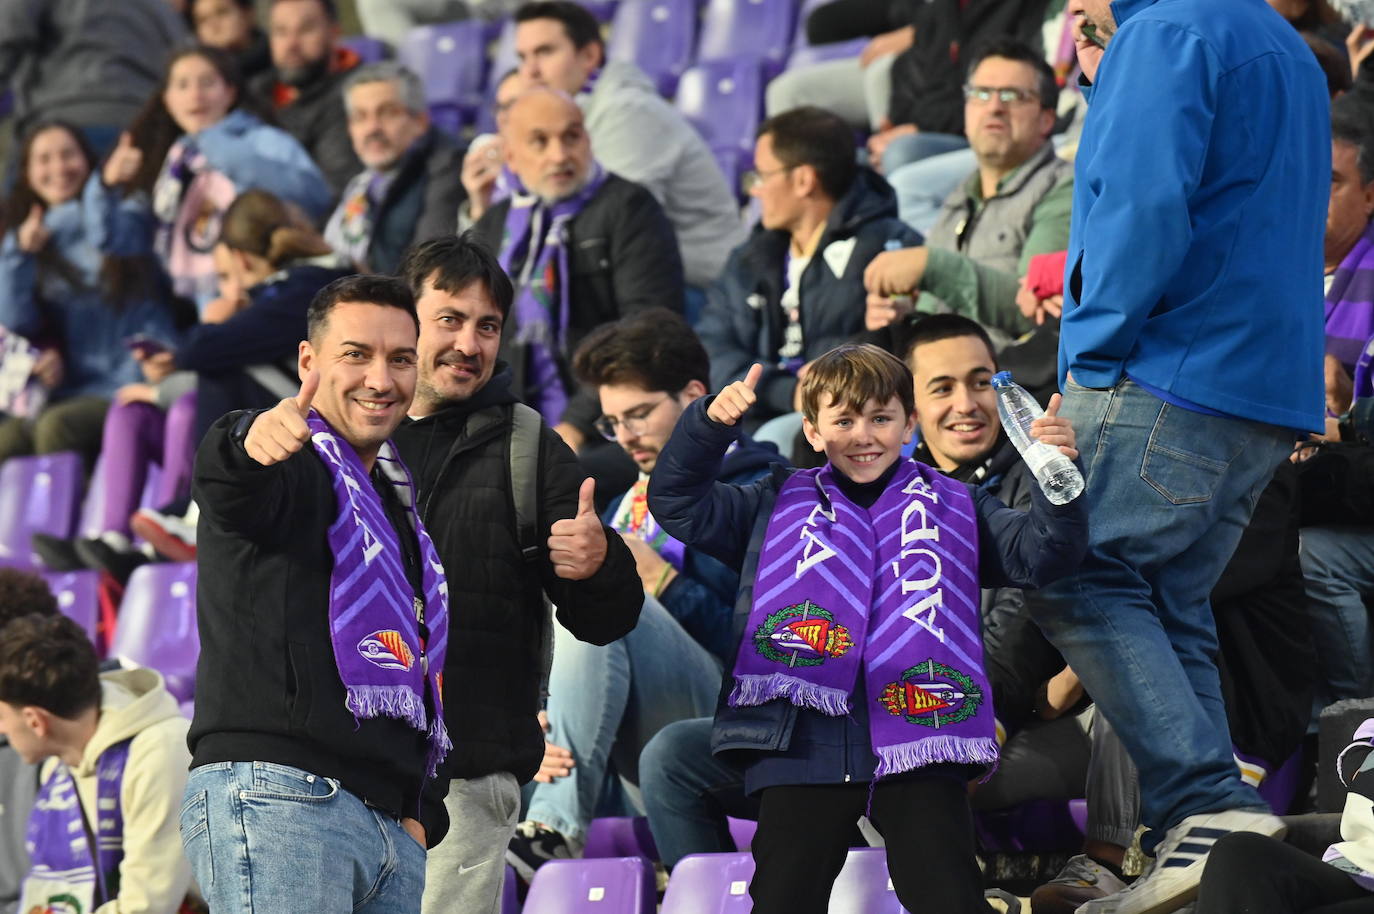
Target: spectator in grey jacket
(92, 65)
(410, 187)
(636, 133)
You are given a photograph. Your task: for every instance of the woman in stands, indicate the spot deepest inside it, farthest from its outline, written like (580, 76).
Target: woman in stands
(192, 150)
(271, 263)
(68, 305)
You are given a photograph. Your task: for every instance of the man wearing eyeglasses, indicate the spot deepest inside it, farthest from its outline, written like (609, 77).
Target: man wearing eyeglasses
(1013, 207)
(605, 703)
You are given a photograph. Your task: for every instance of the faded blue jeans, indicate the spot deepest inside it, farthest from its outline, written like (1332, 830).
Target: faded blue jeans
(1169, 493)
(264, 838)
(1338, 565)
(606, 702)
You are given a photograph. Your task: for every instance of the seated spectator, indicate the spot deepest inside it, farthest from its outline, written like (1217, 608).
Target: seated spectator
(1348, 250)
(486, 177)
(242, 357)
(924, 117)
(606, 702)
(1016, 204)
(194, 149)
(91, 65)
(113, 743)
(584, 247)
(21, 593)
(304, 87)
(410, 188)
(76, 302)
(636, 133)
(789, 293)
(232, 25)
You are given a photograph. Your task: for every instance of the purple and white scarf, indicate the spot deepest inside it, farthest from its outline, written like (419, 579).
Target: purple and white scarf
(1350, 302)
(64, 873)
(892, 589)
(374, 617)
(633, 517)
(536, 235)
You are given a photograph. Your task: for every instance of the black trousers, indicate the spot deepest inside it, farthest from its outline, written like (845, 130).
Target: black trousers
(803, 838)
(1255, 874)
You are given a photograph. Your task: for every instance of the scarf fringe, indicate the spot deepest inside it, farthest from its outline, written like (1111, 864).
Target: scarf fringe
(439, 744)
(932, 750)
(400, 702)
(753, 690)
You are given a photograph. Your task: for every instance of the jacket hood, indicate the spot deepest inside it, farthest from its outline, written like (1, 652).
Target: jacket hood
(870, 197)
(303, 274)
(131, 701)
(748, 458)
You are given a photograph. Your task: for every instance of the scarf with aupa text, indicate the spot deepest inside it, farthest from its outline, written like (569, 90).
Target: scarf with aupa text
(389, 644)
(892, 592)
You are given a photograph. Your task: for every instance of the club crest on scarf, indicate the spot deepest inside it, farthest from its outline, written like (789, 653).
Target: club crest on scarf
(802, 635)
(932, 695)
(388, 650)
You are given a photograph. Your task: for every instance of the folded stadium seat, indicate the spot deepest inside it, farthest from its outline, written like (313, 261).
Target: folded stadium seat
(1280, 788)
(724, 100)
(368, 49)
(451, 61)
(157, 624)
(804, 55)
(748, 28)
(658, 36)
(78, 597)
(710, 884)
(863, 886)
(1038, 826)
(620, 836)
(608, 885)
(742, 832)
(37, 495)
(91, 523)
(510, 893)
(603, 10)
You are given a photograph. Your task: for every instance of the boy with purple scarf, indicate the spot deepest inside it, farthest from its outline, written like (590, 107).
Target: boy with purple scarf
(858, 685)
(323, 615)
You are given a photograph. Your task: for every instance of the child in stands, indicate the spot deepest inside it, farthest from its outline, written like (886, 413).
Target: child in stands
(858, 683)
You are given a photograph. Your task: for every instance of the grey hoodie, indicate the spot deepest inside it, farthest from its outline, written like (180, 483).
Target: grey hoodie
(89, 62)
(641, 137)
(18, 784)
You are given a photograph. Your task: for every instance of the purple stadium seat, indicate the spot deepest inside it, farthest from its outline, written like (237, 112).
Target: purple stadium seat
(657, 35)
(451, 61)
(78, 597)
(724, 100)
(510, 897)
(742, 832)
(1280, 788)
(37, 495)
(863, 886)
(368, 49)
(603, 10)
(710, 884)
(620, 836)
(1078, 811)
(806, 55)
(157, 624)
(1038, 826)
(748, 28)
(609, 885)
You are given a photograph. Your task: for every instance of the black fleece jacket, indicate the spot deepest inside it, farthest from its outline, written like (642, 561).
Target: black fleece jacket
(460, 460)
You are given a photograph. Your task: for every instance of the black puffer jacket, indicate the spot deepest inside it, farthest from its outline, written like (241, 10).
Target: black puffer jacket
(317, 119)
(460, 460)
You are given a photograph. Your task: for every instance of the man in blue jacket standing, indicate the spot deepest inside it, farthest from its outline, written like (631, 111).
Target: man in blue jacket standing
(1194, 267)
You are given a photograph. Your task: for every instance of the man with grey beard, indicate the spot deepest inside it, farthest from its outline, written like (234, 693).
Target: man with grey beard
(584, 248)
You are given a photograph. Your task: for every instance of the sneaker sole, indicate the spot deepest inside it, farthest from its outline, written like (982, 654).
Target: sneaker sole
(173, 547)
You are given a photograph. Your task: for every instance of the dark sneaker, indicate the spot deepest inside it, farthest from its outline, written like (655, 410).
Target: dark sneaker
(532, 846)
(56, 553)
(171, 536)
(100, 555)
(1081, 880)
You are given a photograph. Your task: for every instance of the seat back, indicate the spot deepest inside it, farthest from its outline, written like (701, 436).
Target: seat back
(157, 624)
(863, 886)
(37, 495)
(658, 36)
(761, 29)
(620, 836)
(78, 597)
(451, 61)
(606, 885)
(710, 884)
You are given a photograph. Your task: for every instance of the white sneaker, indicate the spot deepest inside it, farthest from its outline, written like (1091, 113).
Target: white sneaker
(1171, 880)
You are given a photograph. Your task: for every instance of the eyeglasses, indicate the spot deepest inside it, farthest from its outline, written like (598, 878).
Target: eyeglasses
(753, 179)
(1007, 95)
(610, 427)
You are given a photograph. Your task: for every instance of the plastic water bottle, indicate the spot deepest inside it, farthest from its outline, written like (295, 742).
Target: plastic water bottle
(1059, 478)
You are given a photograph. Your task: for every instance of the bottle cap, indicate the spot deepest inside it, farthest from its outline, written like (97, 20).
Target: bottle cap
(1001, 379)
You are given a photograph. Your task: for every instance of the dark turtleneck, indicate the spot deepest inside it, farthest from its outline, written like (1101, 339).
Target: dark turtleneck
(864, 494)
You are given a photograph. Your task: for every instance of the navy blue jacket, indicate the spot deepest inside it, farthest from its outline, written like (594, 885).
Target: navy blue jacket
(702, 597)
(779, 744)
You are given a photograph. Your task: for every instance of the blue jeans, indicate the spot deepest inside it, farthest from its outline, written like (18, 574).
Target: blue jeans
(688, 792)
(912, 147)
(1169, 493)
(265, 838)
(1338, 565)
(923, 185)
(605, 702)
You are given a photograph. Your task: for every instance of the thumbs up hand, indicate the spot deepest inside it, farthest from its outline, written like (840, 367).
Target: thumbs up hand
(577, 545)
(734, 401)
(281, 431)
(32, 235)
(124, 162)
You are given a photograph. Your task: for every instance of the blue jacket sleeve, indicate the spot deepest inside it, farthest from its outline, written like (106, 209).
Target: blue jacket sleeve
(700, 611)
(686, 498)
(1032, 548)
(267, 330)
(1157, 80)
(116, 224)
(270, 159)
(18, 274)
